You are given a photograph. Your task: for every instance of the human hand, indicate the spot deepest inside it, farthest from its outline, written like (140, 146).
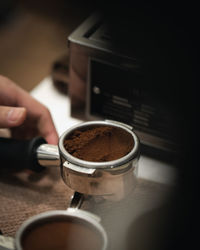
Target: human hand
(24, 115)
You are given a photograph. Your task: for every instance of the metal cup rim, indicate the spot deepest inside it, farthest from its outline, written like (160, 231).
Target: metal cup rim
(134, 153)
(70, 212)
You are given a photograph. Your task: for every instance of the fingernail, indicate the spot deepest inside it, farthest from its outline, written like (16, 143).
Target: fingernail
(15, 114)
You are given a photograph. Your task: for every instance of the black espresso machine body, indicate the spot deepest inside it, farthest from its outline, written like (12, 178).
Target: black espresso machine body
(108, 84)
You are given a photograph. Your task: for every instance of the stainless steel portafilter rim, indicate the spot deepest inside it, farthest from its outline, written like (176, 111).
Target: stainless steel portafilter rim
(134, 153)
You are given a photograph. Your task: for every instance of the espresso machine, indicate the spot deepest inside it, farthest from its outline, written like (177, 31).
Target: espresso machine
(106, 83)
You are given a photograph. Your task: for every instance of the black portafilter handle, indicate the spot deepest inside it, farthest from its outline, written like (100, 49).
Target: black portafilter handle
(20, 154)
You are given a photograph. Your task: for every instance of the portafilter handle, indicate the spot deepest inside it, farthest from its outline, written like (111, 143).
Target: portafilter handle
(34, 154)
(48, 155)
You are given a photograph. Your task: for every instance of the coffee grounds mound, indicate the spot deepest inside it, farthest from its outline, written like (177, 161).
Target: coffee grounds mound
(99, 144)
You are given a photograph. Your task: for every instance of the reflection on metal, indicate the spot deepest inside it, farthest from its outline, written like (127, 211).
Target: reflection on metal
(76, 200)
(48, 155)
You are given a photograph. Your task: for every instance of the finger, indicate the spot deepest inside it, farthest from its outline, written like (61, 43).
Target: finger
(11, 116)
(37, 110)
(52, 138)
(47, 128)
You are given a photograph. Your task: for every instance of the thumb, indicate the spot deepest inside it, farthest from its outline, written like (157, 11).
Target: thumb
(11, 116)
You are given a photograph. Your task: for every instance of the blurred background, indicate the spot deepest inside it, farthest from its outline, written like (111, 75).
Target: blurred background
(33, 37)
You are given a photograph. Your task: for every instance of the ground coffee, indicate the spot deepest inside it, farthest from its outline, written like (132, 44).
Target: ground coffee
(99, 144)
(62, 235)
